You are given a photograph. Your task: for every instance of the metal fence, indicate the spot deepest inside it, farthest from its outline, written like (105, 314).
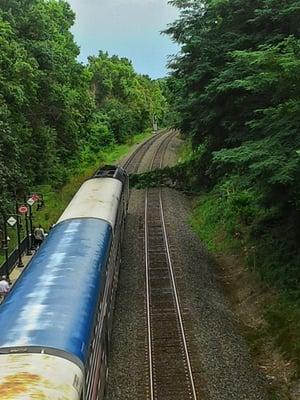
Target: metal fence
(14, 257)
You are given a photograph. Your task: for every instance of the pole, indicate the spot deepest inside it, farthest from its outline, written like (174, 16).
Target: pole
(154, 121)
(5, 242)
(28, 235)
(31, 229)
(20, 262)
(28, 252)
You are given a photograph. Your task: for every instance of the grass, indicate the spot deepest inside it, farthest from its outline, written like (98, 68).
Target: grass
(184, 152)
(209, 225)
(213, 224)
(56, 200)
(283, 319)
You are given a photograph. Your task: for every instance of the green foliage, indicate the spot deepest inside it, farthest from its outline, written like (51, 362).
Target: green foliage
(41, 85)
(224, 219)
(237, 94)
(57, 199)
(130, 101)
(170, 91)
(284, 322)
(57, 115)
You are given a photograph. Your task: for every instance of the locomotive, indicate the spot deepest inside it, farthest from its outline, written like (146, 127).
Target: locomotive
(57, 319)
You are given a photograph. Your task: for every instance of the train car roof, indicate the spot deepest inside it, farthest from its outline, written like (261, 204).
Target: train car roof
(97, 198)
(53, 304)
(39, 376)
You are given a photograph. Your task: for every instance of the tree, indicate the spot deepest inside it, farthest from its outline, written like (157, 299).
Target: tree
(237, 95)
(129, 100)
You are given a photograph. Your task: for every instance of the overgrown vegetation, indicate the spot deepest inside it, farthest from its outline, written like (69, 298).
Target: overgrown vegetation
(240, 104)
(59, 119)
(238, 100)
(56, 114)
(57, 199)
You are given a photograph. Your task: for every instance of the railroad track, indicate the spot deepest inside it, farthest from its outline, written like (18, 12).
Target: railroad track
(169, 369)
(134, 160)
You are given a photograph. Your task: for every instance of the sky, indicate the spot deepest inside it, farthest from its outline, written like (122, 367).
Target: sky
(127, 28)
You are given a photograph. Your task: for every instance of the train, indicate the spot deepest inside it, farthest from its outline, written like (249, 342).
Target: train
(56, 322)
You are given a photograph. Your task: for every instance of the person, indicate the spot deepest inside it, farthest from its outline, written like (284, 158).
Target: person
(4, 287)
(39, 236)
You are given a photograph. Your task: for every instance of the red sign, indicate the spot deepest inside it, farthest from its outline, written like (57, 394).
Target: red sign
(23, 210)
(35, 197)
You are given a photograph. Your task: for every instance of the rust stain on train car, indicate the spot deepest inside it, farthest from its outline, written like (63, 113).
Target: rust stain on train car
(21, 383)
(25, 383)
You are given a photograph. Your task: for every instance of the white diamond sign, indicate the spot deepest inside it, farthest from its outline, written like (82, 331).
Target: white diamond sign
(30, 202)
(11, 221)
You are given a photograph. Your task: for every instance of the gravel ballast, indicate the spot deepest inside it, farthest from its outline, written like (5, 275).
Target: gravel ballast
(220, 353)
(126, 359)
(226, 366)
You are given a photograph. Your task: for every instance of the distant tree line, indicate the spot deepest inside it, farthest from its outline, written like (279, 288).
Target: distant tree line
(237, 88)
(54, 111)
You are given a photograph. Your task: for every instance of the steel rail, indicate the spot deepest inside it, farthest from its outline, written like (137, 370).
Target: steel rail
(147, 278)
(171, 269)
(175, 291)
(144, 145)
(173, 286)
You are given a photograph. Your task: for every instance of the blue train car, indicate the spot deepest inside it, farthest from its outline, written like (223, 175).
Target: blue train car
(57, 317)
